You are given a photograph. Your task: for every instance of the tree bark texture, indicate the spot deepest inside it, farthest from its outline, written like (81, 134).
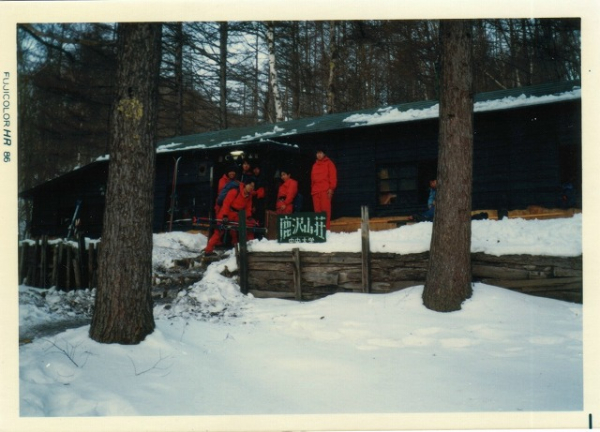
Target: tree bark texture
(179, 41)
(123, 307)
(331, 88)
(224, 34)
(273, 72)
(448, 281)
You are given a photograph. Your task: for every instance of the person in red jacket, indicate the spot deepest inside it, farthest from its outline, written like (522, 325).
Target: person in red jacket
(229, 176)
(235, 201)
(323, 183)
(286, 194)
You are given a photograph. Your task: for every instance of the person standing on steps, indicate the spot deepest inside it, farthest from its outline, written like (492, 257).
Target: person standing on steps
(247, 173)
(427, 215)
(286, 193)
(237, 199)
(228, 177)
(323, 183)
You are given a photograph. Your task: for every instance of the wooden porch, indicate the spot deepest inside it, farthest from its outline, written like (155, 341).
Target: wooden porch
(349, 224)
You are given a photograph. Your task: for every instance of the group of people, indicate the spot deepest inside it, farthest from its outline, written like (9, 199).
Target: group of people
(323, 183)
(233, 196)
(248, 192)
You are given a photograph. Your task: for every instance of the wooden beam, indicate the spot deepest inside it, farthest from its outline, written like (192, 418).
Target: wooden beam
(366, 251)
(91, 270)
(297, 274)
(55, 264)
(243, 248)
(23, 249)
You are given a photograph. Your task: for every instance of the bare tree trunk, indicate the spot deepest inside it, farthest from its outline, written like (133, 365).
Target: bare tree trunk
(448, 281)
(273, 72)
(332, 67)
(256, 86)
(179, 75)
(296, 86)
(223, 31)
(123, 308)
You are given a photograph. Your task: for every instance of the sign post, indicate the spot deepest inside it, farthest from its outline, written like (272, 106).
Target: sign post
(243, 251)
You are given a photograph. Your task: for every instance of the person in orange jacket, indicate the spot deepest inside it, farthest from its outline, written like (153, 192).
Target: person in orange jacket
(286, 194)
(235, 201)
(323, 183)
(229, 176)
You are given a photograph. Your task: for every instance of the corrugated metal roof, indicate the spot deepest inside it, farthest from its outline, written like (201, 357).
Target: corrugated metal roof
(331, 122)
(276, 133)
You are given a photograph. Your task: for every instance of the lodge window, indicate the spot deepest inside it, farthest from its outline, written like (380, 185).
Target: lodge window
(397, 185)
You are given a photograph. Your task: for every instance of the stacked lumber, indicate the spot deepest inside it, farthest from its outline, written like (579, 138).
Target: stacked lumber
(351, 224)
(537, 212)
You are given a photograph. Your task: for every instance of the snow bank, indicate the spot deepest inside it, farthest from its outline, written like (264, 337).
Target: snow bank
(558, 237)
(169, 247)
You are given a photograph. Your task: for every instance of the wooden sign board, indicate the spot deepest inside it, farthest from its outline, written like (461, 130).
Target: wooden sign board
(302, 228)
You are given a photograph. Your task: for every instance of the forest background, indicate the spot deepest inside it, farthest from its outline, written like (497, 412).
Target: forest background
(219, 75)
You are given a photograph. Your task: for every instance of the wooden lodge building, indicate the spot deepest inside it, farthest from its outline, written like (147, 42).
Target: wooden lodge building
(527, 143)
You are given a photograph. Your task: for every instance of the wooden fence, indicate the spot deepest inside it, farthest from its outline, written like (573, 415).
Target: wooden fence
(309, 275)
(63, 264)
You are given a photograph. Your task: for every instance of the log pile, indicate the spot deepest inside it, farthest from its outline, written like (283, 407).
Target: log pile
(309, 275)
(351, 224)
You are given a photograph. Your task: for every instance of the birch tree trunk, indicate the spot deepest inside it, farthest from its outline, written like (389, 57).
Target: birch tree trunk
(123, 305)
(448, 281)
(273, 72)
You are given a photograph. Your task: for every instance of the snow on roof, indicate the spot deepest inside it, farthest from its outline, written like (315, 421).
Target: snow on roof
(422, 110)
(231, 137)
(396, 115)
(489, 101)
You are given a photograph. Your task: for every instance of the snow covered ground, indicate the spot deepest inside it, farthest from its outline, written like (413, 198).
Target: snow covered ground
(216, 352)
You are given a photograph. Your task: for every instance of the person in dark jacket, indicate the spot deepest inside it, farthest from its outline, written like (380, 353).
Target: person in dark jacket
(246, 172)
(323, 179)
(428, 214)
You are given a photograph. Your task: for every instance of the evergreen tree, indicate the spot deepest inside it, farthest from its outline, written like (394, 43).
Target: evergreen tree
(123, 308)
(448, 281)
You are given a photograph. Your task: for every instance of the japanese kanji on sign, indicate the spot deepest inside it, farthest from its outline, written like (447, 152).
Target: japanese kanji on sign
(301, 228)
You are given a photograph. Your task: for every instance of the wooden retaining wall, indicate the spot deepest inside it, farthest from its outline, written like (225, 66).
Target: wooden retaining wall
(309, 275)
(63, 264)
